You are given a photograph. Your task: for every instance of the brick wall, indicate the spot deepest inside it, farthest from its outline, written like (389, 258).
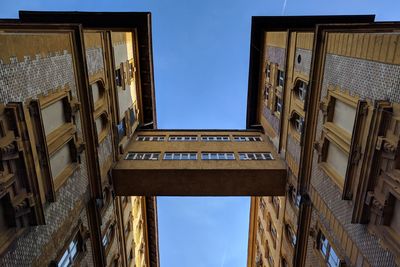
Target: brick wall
(293, 148)
(94, 60)
(105, 150)
(20, 81)
(276, 55)
(305, 64)
(272, 119)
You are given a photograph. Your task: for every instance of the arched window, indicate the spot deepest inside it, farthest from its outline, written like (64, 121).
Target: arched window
(297, 122)
(291, 235)
(300, 90)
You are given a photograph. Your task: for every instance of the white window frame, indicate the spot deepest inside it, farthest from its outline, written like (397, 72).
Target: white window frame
(281, 78)
(302, 91)
(278, 105)
(215, 138)
(182, 138)
(142, 156)
(218, 156)
(299, 124)
(180, 156)
(247, 139)
(255, 156)
(156, 138)
(328, 251)
(268, 71)
(105, 241)
(70, 254)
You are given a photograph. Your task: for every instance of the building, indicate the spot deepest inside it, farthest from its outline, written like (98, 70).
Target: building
(326, 90)
(82, 158)
(72, 94)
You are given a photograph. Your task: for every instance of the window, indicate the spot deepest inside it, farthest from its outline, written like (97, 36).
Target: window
(271, 261)
(262, 204)
(127, 227)
(297, 125)
(182, 138)
(278, 105)
(268, 71)
(255, 156)
(105, 241)
(273, 232)
(102, 126)
(284, 262)
(281, 78)
(74, 249)
(339, 110)
(131, 69)
(247, 138)
(266, 92)
(100, 110)
(118, 77)
(124, 200)
(275, 202)
(300, 90)
(215, 138)
(55, 130)
(291, 235)
(156, 138)
(132, 116)
(294, 196)
(98, 93)
(142, 156)
(298, 122)
(180, 156)
(69, 255)
(130, 258)
(328, 253)
(121, 130)
(217, 156)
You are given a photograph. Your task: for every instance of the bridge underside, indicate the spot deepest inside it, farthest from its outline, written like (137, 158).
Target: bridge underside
(203, 182)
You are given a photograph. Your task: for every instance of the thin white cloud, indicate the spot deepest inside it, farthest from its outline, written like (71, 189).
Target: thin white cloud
(223, 258)
(284, 7)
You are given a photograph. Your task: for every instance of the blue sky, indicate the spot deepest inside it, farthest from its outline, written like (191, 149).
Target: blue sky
(201, 54)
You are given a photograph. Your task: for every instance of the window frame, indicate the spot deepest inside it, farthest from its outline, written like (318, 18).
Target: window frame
(297, 118)
(268, 71)
(110, 232)
(244, 138)
(172, 156)
(290, 234)
(255, 156)
(300, 91)
(276, 204)
(207, 156)
(49, 144)
(324, 258)
(214, 138)
(332, 133)
(147, 156)
(280, 82)
(150, 138)
(81, 234)
(273, 233)
(183, 138)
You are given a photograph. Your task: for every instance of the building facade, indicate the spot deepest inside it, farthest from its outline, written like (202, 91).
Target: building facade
(72, 95)
(327, 94)
(81, 158)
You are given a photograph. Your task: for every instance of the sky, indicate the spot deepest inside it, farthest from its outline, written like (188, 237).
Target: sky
(201, 54)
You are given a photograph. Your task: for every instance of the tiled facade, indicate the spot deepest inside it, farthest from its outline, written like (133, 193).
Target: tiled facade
(354, 214)
(84, 210)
